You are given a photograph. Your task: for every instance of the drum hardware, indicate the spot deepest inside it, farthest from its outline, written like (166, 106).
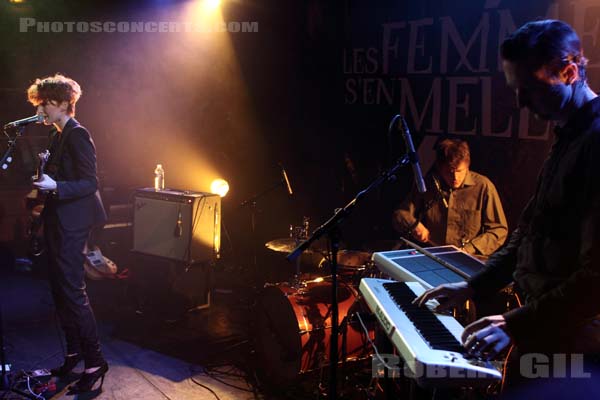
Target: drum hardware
(300, 233)
(331, 229)
(293, 329)
(285, 245)
(252, 204)
(353, 265)
(349, 259)
(297, 234)
(353, 258)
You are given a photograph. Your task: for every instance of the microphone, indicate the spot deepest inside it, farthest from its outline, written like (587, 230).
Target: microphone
(413, 158)
(286, 180)
(25, 121)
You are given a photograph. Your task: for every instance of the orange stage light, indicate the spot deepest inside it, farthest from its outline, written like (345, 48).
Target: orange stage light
(220, 187)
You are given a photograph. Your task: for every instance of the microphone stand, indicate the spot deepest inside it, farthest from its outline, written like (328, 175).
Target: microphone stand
(251, 202)
(332, 230)
(4, 386)
(12, 142)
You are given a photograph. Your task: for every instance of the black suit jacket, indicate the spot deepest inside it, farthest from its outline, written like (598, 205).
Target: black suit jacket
(72, 164)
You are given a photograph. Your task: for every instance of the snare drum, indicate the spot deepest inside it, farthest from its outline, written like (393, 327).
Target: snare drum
(293, 329)
(352, 266)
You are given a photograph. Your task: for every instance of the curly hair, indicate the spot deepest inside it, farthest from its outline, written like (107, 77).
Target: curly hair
(452, 152)
(57, 88)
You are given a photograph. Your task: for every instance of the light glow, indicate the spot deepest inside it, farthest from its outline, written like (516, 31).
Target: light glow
(220, 187)
(211, 5)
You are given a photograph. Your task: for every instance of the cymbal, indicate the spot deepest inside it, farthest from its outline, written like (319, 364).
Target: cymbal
(353, 258)
(286, 245)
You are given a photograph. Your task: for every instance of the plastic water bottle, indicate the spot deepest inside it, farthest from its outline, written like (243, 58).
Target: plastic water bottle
(159, 178)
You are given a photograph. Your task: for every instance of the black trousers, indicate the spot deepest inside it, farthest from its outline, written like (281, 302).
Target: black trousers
(67, 283)
(563, 368)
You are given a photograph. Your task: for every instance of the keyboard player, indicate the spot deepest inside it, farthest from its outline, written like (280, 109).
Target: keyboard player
(554, 254)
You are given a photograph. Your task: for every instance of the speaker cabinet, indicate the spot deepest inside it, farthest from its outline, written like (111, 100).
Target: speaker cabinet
(159, 286)
(177, 225)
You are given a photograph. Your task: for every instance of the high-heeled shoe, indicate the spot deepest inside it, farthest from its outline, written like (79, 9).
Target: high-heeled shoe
(88, 380)
(68, 366)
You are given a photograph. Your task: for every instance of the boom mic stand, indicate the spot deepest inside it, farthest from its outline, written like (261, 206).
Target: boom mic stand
(4, 386)
(332, 230)
(12, 142)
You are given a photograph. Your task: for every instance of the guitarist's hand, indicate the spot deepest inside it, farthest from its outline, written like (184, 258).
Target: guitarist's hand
(45, 183)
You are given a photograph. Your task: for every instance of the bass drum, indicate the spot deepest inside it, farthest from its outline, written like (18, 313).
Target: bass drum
(293, 329)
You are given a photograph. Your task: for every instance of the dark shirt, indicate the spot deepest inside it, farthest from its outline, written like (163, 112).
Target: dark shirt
(473, 217)
(554, 254)
(76, 201)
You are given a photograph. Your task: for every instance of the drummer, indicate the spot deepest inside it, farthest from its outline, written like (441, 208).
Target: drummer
(460, 207)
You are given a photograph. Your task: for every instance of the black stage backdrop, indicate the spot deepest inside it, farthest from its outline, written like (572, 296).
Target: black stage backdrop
(311, 84)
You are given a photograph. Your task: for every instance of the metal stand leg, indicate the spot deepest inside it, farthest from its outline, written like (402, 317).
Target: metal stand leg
(4, 386)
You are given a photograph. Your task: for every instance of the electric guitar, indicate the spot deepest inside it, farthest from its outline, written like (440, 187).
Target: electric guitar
(36, 200)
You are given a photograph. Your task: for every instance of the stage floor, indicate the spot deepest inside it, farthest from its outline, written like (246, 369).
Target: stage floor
(155, 348)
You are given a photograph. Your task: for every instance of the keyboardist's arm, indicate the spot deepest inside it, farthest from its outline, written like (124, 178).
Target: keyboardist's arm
(500, 266)
(498, 271)
(455, 294)
(487, 335)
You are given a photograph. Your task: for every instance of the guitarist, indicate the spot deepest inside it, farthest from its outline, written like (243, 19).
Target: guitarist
(72, 207)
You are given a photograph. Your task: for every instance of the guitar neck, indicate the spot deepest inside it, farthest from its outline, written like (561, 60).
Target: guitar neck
(43, 159)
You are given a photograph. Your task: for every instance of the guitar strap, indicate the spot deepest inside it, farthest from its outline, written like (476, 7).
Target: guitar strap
(56, 146)
(440, 196)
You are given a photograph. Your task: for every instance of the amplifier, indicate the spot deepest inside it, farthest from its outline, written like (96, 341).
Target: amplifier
(178, 225)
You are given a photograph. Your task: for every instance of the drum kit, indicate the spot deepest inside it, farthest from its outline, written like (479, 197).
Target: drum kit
(293, 319)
